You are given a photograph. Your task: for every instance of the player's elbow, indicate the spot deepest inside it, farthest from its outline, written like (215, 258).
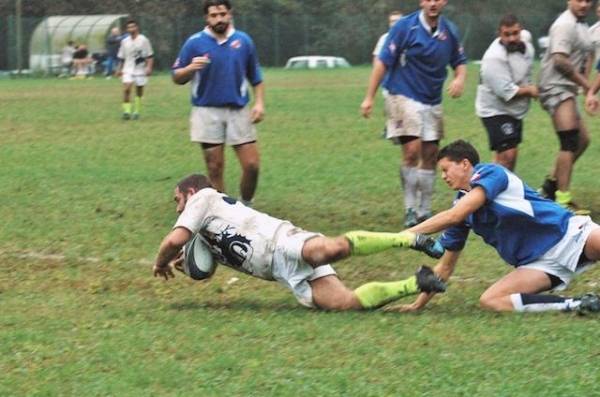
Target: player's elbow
(179, 78)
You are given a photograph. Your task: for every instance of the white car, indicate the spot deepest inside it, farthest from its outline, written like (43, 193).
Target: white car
(316, 62)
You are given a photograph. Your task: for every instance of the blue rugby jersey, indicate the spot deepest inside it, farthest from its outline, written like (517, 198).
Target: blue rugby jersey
(416, 60)
(515, 220)
(233, 63)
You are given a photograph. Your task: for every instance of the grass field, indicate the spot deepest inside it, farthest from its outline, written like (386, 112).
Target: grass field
(85, 199)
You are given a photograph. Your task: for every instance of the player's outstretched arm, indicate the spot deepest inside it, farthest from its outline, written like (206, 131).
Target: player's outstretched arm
(444, 270)
(468, 204)
(169, 249)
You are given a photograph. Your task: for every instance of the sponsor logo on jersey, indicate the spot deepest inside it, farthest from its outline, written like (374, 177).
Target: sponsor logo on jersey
(392, 48)
(235, 44)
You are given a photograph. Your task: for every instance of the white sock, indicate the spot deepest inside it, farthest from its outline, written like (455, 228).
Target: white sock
(542, 303)
(410, 180)
(426, 181)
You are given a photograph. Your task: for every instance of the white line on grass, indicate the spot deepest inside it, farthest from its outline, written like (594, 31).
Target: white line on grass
(64, 258)
(148, 262)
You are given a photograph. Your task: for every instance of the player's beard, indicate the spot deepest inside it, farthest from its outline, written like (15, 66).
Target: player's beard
(220, 28)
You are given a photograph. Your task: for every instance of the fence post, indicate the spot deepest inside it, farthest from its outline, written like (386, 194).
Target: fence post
(276, 38)
(19, 34)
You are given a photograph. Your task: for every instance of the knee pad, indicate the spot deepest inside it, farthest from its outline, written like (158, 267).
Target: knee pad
(569, 140)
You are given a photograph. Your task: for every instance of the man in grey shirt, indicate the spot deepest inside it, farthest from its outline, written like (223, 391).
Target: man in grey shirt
(505, 90)
(569, 52)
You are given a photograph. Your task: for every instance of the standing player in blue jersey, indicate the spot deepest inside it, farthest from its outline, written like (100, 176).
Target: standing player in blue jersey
(546, 244)
(221, 62)
(413, 60)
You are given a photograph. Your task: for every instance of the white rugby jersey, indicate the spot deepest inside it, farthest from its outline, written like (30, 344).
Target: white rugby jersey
(238, 236)
(134, 53)
(502, 73)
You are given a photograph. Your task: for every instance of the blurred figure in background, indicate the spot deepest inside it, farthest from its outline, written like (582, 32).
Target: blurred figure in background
(136, 59)
(81, 62)
(113, 42)
(66, 59)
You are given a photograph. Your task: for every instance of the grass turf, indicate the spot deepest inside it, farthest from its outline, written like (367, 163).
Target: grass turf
(77, 182)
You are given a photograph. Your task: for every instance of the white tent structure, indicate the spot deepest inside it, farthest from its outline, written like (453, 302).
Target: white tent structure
(53, 33)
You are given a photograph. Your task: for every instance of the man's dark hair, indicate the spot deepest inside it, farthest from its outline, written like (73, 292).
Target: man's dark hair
(508, 20)
(458, 151)
(131, 21)
(194, 181)
(215, 3)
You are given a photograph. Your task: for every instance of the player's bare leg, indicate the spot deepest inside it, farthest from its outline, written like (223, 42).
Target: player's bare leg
(324, 250)
(214, 156)
(592, 246)
(574, 139)
(507, 158)
(519, 281)
(426, 179)
(127, 101)
(520, 291)
(411, 154)
(137, 104)
(329, 293)
(249, 159)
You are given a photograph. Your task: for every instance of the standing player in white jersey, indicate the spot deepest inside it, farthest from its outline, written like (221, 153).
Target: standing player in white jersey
(505, 90)
(136, 59)
(570, 51)
(275, 250)
(545, 243)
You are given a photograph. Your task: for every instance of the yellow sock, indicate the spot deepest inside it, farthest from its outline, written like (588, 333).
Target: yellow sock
(563, 198)
(127, 107)
(137, 108)
(376, 294)
(366, 243)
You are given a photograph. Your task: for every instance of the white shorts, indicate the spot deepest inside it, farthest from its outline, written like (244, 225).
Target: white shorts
(407, 117)
(551, 99)
(139, 80)
(290, 270)
(562, 259)
(231, 126)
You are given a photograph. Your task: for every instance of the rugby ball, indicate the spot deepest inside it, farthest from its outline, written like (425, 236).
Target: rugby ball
(198, 262)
